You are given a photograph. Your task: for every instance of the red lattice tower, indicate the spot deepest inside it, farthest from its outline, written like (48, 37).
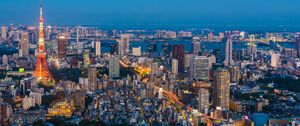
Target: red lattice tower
(41, 71)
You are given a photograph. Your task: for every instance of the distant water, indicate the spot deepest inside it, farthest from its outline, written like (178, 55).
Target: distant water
(106, 45)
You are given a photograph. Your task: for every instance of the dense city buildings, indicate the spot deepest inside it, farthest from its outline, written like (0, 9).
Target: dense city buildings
(156, 75)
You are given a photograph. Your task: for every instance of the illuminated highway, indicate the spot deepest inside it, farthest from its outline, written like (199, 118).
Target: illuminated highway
(170, 96)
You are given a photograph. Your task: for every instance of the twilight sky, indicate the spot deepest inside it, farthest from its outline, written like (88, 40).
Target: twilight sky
(93, 12)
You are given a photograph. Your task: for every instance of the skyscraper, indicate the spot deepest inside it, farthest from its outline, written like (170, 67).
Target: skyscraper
(41, 71)
(114, 67)
(178, 53)
(199, 68)
(275, 59)
(92, 78)
(121, 48)
(221, 88)
(3, 32)
(123, 45)
(297, 43)
(175, 66)
(203, 100)
(228, 51)
(98, 47)
(24, 44)
(62, 46)
(196, 47)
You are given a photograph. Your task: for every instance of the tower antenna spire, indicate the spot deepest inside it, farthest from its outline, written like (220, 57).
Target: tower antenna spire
(41, 10)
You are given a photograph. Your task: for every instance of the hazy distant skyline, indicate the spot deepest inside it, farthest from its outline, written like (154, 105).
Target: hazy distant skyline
(95, 12)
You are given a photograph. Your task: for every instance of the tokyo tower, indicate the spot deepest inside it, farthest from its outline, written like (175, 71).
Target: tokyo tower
(41, 71)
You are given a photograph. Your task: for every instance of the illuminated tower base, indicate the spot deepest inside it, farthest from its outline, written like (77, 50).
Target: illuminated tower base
(41, 71)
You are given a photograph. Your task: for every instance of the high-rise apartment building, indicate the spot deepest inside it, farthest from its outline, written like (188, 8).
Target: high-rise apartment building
(24, 45)
(98, 48)
(92, 78)
(175, 66)
(114, 67)
(123, 45)
(275, 58)
(62, 46)
(221, 88)
(203, 100)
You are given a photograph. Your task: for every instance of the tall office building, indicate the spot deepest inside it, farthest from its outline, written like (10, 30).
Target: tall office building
(234, 74)
(3, 32)
(24, 44)
(297, 43)
(175, 66)
(203, 100)
(275, 59)
(196, 48)
(120, 48)
(178, 53)
(228, 52)
(92, 78)
(98, 48)
(123, 45)
(220, 57)
(221, 88)
(114, 67)
(199, 68)
(61, 46)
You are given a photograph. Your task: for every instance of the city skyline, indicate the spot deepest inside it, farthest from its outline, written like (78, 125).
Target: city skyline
(79, 75)
(103, 12)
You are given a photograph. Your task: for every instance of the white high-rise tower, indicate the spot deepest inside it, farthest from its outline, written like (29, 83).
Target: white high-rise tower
(228, 52)
(98, 47)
